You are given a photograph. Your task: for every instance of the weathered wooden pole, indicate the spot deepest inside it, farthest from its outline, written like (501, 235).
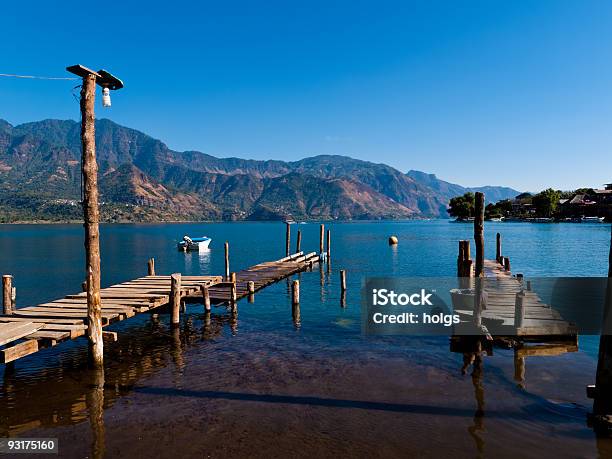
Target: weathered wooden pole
(205, 297)
(287, 239)
(91, 212)
(498, 247)
(343, 280)
(175, 298)
(321, 238)
(506, 264)
(295, 292)
(251, 291)
(519, 309)
(234, 296)
(479, 232)
(91, 217)
(328, 245)
(602, 405)
(298, 244)
(84, 286)
(7, 294)
(460, 260)
(151, 267)
(233, 277)
(227, 266)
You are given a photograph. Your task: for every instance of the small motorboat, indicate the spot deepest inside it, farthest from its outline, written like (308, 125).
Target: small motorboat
(195, 243)
(593, 219)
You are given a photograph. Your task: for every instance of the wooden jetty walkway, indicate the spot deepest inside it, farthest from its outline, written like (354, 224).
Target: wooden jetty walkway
(511, 309)
(26, 330)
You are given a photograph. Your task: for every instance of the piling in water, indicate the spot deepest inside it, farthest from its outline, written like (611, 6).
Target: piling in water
(151, 267)
(342, 280)
(479, 232)
(295, 292)
(7, 291)
(205, 297)
(227, 266)
(175, 297)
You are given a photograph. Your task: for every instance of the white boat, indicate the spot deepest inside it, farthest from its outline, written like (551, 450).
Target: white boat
(593, 219)
(195, 243)
(496, 219)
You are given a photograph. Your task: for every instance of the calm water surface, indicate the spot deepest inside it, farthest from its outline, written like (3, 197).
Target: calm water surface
(259, 385)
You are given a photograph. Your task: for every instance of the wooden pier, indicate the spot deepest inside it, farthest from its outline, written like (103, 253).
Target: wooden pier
(511, 310)
(27, 330)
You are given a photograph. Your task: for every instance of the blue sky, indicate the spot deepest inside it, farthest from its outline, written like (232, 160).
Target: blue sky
(515, 93)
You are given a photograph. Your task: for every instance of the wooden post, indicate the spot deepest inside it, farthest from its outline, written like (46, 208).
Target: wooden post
(498, 248)
(151, 267)
(328, 245)
(91, 217)
(519, 309)
(602, 405)
(287, 239)
(529, 286)
(234, 296)
(175, 298)
(233, 277)
(507, 264)
(298, 244)
(479, 232)
(251, 290)
(227, 267)
(7, 294)
(460, 260)
(205, 297)
(84, 285)
(321, 238)
(295, 292)
(343, 280)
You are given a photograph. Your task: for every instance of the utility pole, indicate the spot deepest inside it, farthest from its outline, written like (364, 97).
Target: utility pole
(91, 211)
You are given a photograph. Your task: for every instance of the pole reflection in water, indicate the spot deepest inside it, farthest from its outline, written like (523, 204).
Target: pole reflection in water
(476, 361)
(519, 370)
(62, 391)
(297, 319)
(95, 406)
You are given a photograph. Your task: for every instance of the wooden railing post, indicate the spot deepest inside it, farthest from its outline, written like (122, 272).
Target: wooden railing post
(7, 294)
(287, 239)
(479, 232)
(498, 248)
(151, 267)
(175, 297)
(298, 244)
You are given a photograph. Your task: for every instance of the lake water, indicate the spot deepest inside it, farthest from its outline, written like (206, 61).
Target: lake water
(259, 385)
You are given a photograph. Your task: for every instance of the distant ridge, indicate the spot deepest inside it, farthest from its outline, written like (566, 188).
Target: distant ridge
(141, 179)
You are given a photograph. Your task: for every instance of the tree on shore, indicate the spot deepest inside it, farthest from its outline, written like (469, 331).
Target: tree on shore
(462, 206)
(546, 202)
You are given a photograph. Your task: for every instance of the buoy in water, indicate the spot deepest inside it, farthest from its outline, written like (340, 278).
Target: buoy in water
(393, 240)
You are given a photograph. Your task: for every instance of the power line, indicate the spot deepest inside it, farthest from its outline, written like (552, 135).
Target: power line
(33, 77)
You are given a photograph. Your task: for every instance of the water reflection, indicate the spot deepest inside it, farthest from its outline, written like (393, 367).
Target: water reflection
(63, 391)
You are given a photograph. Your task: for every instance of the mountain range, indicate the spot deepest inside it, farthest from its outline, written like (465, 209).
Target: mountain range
(141, 179)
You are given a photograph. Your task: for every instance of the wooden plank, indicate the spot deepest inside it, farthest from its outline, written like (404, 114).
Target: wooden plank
(18, 350)
(45, 320)
(13, 331)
